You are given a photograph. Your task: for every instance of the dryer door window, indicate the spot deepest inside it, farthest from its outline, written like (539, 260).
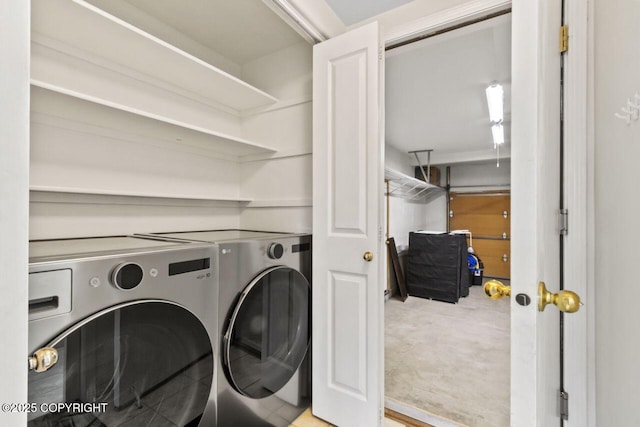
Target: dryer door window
(268, 333)
(146, 362)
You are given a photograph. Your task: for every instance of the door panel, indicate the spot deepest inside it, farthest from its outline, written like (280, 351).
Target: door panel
(535, 178)
(348, 371)
(492, 253)
(484, 215)
(481, 225)
(478, 203)
(347, 212)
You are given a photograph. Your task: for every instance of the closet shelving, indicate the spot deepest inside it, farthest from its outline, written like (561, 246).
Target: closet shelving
(401, 185)
(50, 104)
(142, 197)
(90, 68)
(77, 28)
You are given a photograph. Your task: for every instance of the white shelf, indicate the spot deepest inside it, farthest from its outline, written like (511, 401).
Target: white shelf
(401, 185)
(111, 194)
(80, 29)
(54, 106)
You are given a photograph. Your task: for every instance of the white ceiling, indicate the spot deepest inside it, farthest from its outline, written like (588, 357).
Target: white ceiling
(435, 89)
(353, 11)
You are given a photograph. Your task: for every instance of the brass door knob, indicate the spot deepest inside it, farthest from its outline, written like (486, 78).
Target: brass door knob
(368, 256)
(43, 359)
(566, 301)
(495, 289)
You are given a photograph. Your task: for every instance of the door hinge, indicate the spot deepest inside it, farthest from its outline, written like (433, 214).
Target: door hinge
(564, 222)
(564, 38)
(564, 405)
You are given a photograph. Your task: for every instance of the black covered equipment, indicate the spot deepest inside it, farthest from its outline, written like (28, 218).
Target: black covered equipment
(437, 266)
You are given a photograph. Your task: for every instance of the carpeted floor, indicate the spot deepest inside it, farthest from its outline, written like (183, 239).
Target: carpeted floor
(451, 360)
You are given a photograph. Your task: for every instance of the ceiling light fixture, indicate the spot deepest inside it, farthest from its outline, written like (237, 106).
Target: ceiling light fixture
(495, 100)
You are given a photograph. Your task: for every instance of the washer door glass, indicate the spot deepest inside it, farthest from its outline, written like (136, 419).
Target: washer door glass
(146, 362)
(268, 332)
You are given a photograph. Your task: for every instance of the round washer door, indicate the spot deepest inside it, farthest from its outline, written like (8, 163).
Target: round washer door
(145, 362)
(268, 332)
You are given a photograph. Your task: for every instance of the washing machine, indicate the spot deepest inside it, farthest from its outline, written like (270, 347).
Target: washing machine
(264, 325)
(122, 332)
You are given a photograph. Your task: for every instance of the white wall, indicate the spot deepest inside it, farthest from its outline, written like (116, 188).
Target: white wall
(66, 154)
(617, 150)
(80, 147)
(484, 173)
(14, 175)
(280, 186)
(406, 215)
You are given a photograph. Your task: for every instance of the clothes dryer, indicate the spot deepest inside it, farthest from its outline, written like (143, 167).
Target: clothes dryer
(264, 325)
(122, 332)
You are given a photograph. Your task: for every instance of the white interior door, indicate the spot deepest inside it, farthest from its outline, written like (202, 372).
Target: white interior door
(347, 213)
(535, 184)
(347, 292)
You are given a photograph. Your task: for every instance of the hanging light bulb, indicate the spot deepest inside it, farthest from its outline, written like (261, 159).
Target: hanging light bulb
(495, 101)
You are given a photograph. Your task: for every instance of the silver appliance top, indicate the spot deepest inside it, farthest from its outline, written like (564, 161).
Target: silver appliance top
(95, 246)
(219, 236)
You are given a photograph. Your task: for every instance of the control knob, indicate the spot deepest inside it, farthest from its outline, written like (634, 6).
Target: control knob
(275, 251)
(127, 276)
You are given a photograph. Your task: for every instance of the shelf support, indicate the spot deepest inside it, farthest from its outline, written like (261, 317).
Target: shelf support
(427, 177)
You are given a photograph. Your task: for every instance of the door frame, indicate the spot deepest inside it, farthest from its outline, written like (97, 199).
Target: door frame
(15, 24)
(579, 345)
(579, 200)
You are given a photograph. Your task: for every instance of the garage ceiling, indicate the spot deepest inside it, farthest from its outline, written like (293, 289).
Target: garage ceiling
(435, 89)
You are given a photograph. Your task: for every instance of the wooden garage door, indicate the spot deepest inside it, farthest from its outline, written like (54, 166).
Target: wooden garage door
(488, 216)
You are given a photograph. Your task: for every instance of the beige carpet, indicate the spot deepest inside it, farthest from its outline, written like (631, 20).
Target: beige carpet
(450, 360)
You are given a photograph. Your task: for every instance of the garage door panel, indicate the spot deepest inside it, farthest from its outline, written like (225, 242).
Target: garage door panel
(480, 204)
(483, 214)
(481, 225)
(492, 253)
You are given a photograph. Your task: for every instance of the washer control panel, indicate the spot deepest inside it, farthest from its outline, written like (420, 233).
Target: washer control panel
(275, 250)
(127, 276)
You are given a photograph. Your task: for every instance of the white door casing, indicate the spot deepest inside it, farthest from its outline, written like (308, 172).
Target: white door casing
(347, 214)
(579, 251)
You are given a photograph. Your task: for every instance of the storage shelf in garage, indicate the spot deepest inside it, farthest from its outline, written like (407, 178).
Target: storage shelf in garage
(402, 185)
